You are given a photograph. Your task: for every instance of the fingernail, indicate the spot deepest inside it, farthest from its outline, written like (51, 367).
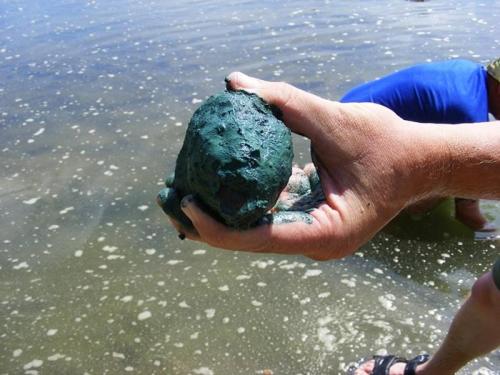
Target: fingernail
(187, 200)
(228, 79)
(181, 236)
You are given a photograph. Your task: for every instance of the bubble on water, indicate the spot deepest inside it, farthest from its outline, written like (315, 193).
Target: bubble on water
(203, 371)
(349, 282)
(39, 132)
(33, 364)
(32, 200)
(387, 301)
(56, 357)
(243, 277)
(66, 210)
(210, 313)
(21, 265)
(173, 262)
(326, 338)
(483, 371)
(126, 298)
(52, 332)
(144, 315)
(262, 264)
(109, 249)
(311, 273)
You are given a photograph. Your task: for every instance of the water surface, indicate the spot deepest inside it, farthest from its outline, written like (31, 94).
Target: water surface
(94, 101)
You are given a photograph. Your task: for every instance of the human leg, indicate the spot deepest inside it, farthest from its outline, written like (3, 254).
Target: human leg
(474, 331)
(467, 212)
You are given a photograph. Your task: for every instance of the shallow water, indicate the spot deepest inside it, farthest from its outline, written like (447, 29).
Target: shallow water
(94, 101)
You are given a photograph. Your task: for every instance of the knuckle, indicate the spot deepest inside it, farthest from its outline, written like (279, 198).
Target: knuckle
(236, 79)
(287, 94)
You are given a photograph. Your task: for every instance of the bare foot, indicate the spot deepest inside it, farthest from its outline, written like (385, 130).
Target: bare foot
(467, 212)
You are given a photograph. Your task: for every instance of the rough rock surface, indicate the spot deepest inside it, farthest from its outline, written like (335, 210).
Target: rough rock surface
(236, 158)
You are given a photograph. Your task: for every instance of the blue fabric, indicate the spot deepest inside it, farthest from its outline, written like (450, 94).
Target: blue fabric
(448, 92)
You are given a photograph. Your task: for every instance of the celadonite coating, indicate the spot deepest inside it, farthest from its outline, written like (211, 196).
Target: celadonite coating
(235, 160)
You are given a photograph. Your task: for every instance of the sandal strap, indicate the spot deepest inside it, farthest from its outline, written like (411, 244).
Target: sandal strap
(412, 364)
(383, 364)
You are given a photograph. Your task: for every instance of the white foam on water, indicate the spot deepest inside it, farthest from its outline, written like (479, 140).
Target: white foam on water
(66, 210)
(56, 357)
(203, 371)
(173, 262)
(387, 301)
(39, 132)
(32, 200)
(144, 315)
(21, 266)
(51, 332)
(312, 273)
(109, 249)
(33, 364)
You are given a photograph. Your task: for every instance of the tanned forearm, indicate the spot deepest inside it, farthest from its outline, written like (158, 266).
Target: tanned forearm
(458, 160)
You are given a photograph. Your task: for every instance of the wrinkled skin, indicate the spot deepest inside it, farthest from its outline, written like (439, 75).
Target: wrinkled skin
(364, 185)
(358, 192)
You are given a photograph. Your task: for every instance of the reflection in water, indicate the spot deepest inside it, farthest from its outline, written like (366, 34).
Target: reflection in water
(94, 101)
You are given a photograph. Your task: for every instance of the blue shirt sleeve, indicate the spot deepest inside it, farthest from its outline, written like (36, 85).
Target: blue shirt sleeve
(447, 92)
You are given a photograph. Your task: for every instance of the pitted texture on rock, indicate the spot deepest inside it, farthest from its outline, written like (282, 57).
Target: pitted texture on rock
(236, 159)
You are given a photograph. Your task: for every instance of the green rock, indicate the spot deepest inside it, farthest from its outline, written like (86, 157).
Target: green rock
(235, 160)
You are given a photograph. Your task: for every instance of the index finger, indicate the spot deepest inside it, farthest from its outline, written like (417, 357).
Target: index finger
(296, 105)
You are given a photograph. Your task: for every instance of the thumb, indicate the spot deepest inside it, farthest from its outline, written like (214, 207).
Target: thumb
(301, 110)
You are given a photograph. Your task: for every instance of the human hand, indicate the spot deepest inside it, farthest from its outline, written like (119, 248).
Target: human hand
(366, 157)
(301, 195)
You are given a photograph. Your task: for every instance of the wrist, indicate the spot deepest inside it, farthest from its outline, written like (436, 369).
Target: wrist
(428, 161)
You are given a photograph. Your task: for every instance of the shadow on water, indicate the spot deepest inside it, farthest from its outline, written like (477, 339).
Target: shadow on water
(434, 249)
